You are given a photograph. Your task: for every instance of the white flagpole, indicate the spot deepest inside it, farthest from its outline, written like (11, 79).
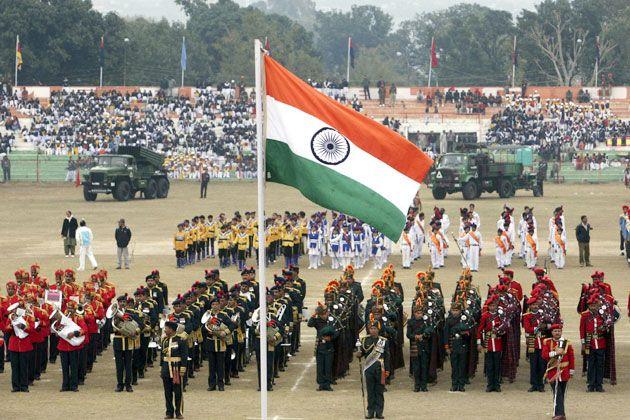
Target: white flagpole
(430, 61)
(183, 44)
(262, 287)
(100, 79)
(17, 44)
(514, 63)
(597, 62)
(348, 66)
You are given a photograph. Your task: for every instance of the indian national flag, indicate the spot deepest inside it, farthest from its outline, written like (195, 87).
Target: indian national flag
(337, 157)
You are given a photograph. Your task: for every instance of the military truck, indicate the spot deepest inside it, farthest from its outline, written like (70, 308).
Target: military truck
(503, 169)
(132, 169)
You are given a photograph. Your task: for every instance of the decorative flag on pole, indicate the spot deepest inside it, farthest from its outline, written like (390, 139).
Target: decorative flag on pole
(183, 60)
(267, 46)
(336, 157)
(351, 49)
(434, 57)
(101, 52)
(18, 55)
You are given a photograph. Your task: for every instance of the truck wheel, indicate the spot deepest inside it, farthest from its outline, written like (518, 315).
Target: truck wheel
(123, 191)
(439, 193)
(505, 188)
(150, 192)
(89, 196)
(162, 187)
(470, 190)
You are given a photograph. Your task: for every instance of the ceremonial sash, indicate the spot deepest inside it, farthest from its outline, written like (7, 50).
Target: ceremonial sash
(436, 243)
(474, 236)
(500, 243)
(375, 354)
(560, 242)
(406, 239)
(532, 243)
(443, 238)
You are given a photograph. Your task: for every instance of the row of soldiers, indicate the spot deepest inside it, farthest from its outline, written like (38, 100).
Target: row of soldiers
(221, 325)
(41, 321)
(236, 240)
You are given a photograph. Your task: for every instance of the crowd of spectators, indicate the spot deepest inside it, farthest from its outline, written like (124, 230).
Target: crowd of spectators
(214, 128)
(465, 101)
(556, 124)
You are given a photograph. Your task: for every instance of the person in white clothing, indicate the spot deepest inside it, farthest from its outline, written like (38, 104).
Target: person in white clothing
(474, 216)
(501, 247)
(314, 246)
(406, 248)
(446, 223)
(531, 249)
(377, 248)
(559, 247)
(474, 247)
(420, 235)
(436, 248)
(464, 244)
(335, 248)
(84, 240)
(508, 234)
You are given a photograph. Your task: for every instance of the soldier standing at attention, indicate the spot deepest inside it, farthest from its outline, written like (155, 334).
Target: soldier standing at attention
(457, 341)
(324, 347)
(420, 331)
(180, 245)
(173, 368)
(558, 352)
(376, 366)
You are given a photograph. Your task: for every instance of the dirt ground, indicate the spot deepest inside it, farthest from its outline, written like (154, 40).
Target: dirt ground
(29, 232)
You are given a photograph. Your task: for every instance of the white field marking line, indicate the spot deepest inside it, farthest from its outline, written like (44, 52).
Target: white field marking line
(308, 365)
(299, 379)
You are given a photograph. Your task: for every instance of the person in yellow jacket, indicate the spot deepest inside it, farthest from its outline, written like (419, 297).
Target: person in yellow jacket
(201, 238)
(242, 245)
(211, 233)
(190, 242)
(179, 245)
(223, 245)
(288, 241)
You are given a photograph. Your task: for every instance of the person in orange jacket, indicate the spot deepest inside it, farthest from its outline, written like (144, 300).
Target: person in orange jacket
(20, 348)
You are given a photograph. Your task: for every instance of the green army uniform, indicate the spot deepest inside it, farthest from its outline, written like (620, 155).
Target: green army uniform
(457, 339)
(374, 373)
(173, 369)
(420, 363)
(324, 351)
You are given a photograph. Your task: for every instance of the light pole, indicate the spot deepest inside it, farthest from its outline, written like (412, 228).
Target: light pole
(125, 64)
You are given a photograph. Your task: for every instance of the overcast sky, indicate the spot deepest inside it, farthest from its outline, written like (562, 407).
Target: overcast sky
(400, 9)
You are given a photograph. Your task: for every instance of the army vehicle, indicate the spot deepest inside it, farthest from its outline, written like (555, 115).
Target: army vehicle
(504, 169)
(131, 170)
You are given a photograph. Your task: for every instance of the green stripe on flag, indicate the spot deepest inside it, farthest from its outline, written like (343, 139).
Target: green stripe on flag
(334, 191)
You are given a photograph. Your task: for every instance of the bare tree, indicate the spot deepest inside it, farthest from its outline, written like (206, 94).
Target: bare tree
(606, 47)
(562, 46)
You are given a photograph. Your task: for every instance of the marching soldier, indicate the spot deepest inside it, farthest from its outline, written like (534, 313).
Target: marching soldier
(534, 328)
(420, 331)
(149, 317)
(457, 342)
(558, 352)
(173, 369)
(216, 333)
(324, 347)
(489, 340)
(375, 351)
(592, 332)
(124, 345)
(273, 338)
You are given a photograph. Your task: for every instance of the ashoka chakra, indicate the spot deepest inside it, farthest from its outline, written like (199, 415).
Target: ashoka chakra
(330, 147)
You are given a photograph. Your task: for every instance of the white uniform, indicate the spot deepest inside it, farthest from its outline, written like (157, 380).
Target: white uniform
(464, 246)
(509, 237)
(436, 248)
(446, 223)
(501, 247)
(558, 244)
(406, 248)
(474, 218)
(474, 249)
(531, 251)
(84, 239)
(378, 243)
(335, 250)
(314, 249)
